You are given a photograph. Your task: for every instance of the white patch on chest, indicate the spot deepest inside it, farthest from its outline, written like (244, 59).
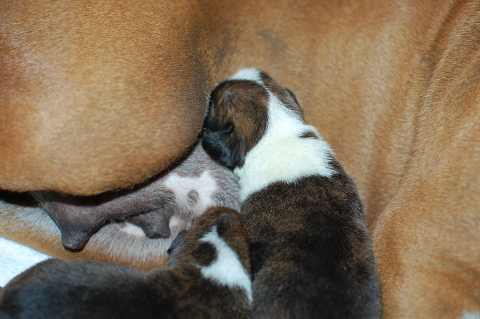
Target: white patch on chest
(205, 186)
(281, 154)
(226, 269)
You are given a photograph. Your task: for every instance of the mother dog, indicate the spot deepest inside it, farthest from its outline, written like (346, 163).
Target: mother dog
(96, 96)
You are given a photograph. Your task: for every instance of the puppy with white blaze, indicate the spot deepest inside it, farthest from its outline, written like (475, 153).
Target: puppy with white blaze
(312, 255)
(208, 276)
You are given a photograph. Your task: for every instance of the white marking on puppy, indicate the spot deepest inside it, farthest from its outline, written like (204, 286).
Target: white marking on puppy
(226, 269)
(133, 230)
(281, 154)
(205, 185)
(468, 315)
(248, 74)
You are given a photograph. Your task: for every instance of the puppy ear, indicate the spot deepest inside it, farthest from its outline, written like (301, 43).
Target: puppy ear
(176, 242)
(174, 252)
(236, 158)
(224, 149)
(293, 104)
(292, 96)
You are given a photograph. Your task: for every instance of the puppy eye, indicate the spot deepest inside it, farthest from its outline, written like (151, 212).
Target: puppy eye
(228, 128)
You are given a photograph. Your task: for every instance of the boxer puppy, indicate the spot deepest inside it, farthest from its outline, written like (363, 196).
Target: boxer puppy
(312, 256)
(208, 276)
(162, 206)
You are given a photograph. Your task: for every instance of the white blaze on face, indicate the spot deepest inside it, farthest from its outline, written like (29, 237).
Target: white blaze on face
(467, 315)
(226, 269)
(205, 186)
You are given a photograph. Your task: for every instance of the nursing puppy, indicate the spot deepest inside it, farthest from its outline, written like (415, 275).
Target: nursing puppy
(208, 276)
(312, 256)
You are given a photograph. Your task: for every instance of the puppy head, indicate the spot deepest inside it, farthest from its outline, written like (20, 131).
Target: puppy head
(218, 245)
(235, 122)
(199, 244)
(238, 112)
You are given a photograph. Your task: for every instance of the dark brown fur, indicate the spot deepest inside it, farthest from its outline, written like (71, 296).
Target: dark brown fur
(250, 110)
(92, 102)
(312, 256)
(316, 259)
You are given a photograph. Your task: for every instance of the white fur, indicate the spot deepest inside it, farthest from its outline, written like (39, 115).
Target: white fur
(248, 74)
(16, 258)
(205, 185)
(133, 230)
(226, 269)
(281, 155)
(467, 315)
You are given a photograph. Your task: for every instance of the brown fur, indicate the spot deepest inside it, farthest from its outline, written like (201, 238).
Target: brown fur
(247, 119)
(391, 84)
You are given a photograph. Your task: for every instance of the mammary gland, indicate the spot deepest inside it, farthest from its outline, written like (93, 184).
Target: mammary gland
(162, 206)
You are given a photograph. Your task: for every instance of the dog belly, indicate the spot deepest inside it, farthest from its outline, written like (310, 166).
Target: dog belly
(428, 234)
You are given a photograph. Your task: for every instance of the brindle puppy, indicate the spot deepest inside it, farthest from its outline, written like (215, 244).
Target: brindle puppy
(208, 277)
(313, 256)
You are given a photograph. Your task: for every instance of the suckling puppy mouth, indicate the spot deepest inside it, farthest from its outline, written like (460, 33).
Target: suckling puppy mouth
(235, 121)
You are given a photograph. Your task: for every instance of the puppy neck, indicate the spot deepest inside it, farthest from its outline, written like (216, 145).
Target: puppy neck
(226, 269)
(284, 153)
